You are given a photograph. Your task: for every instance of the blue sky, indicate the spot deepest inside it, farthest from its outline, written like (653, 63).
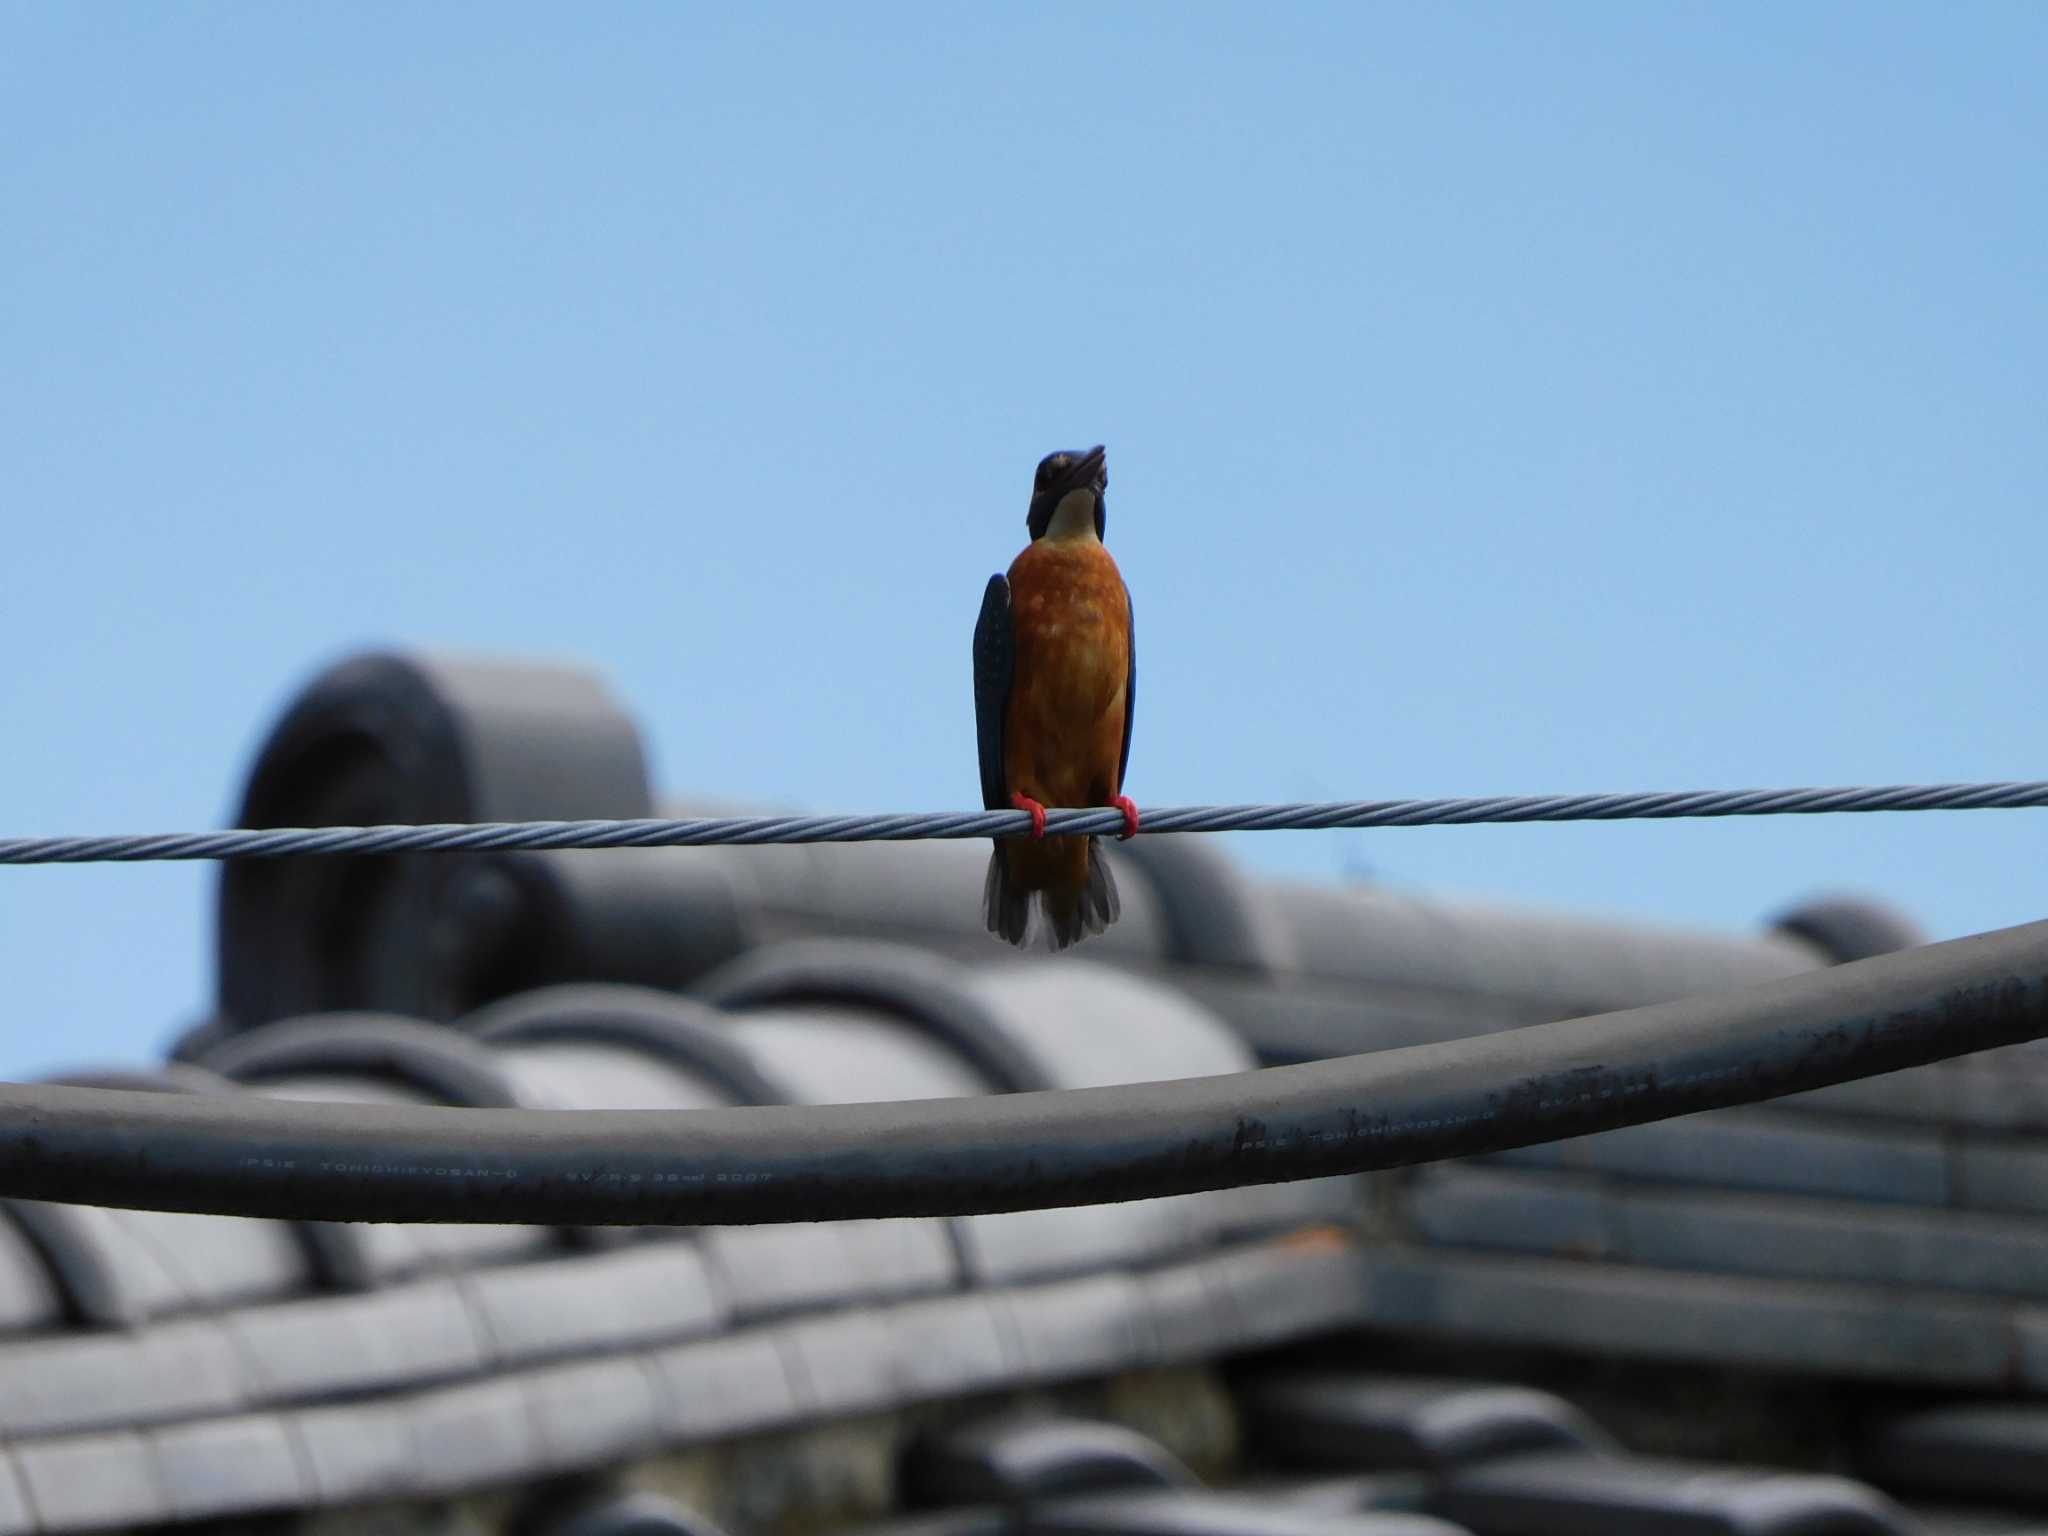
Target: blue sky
(1499, 399)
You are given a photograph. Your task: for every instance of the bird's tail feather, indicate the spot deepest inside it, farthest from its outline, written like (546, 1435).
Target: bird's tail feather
(1095, 910)
(1071, 914)
(1005, 905)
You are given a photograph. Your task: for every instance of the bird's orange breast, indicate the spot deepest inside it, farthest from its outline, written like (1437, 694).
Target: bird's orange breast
(1063, 740)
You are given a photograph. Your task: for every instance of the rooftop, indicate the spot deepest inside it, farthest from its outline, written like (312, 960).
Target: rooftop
(1823, 1314)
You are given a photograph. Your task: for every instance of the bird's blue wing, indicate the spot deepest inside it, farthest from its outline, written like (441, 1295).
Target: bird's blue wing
(995, 663)
(1130, 690)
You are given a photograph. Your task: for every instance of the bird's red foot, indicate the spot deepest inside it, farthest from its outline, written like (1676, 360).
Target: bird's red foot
(1130, 810)
(1037, 813)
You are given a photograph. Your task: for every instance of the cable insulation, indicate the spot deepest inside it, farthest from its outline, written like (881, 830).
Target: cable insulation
(247, 1155)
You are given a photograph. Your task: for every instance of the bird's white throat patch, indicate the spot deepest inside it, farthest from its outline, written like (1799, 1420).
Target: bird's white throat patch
(1074, 517)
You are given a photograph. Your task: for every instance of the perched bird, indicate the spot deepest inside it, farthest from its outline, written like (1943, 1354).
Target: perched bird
(1055, 683)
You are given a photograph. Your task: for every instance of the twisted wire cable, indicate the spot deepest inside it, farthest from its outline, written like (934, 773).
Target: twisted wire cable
(651, 832)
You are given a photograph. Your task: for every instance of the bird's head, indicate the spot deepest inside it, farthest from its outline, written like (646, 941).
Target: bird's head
(1067, 495)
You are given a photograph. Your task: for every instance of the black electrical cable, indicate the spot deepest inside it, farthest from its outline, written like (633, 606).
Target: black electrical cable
(251, 1156)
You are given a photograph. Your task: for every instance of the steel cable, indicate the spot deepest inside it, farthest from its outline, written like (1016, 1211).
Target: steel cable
(271, 843)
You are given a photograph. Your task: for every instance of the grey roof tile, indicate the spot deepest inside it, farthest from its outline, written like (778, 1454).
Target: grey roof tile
(1188, 1513)
(2030, 1328)
(606, 1512)
(1916, 1095)
(1938, 1250)
(604, 1029)
(29, 1296)
(1561, 964)
(398, 1252)
(894, 889)
(1276, 1291)
(391, 1251)
(81, 1482)
(2003, 1091)
(900, 1257)
(340, 1086)
(947, 1345)
(594, 1412)
(655, 917)
(827, 1053)
(1735, 1322)
(229, 1466)
(725, 1386)
(1012, 1457)
(1258, 1209)
(1976, 1520)
(1185, 1315)
(349, 1052)
(394, 1251)
(1367, 935)
(326, 1346)
(1478, 1207)
(1758, 1150)
(1215, 915)
(1997, 1176)
(641, 1294)
(1082, 1327)
(17, 1516)
(1008, 1247)
(421, 1438)
(176, 1370)
(471, 1436)
(1735, 1234)
(906, 984)
(408, 738)
(105, 1276)
(1366, 1422)
(565, 1074)
(218, 1260)
(356, 1453)
(983, 1520)
(773, 884)
(1845, 926)
(1563, 1492)
(465, 1245)
(1294, 1018)
(1090, 1025)
(846, 1361)
(1342, 1491)
(1983, 1450)
(841, 1363)
(767, 1270)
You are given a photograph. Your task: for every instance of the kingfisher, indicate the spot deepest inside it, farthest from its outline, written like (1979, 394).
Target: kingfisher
(1055, 685)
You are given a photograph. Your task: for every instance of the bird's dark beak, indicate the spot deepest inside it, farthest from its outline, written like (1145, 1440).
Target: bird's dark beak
(1086, 471)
